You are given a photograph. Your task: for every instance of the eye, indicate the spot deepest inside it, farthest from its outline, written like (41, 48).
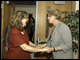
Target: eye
(49, 16)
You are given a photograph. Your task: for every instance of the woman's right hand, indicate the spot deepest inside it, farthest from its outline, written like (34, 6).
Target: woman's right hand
(47, 49)
(41, 45)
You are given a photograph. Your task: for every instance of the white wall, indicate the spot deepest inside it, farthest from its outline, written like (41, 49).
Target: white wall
(77, 5)
(28, 8)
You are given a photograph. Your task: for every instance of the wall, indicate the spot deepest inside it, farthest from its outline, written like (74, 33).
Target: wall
(75, 5)
(28, 8)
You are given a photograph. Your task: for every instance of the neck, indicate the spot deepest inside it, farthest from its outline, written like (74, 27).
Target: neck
(55, 22)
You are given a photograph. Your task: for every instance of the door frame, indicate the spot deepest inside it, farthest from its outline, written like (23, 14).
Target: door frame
(36, 27)
(36, 22)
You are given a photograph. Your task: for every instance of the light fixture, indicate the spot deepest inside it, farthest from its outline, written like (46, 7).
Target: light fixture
(9, 2)
(59, 2)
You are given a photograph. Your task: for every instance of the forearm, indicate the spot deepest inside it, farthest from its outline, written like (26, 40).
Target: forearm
(34, 49)
(28, 48)
(31, 44)
(58, 48)
(43, 45)
(6, 41)
(6, 38)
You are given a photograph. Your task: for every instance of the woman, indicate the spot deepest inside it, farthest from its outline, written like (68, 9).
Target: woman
(19, 44)
(60, 37)
(31, 28)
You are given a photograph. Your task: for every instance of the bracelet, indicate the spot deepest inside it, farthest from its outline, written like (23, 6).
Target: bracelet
(55, 50)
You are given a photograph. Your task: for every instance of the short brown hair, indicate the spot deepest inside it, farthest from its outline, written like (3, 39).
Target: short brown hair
(55, 12)
(16, 19)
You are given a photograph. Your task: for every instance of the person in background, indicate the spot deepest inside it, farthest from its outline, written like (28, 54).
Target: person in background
(60, 38)
(19, 46)
(31, 28)
(6, 38)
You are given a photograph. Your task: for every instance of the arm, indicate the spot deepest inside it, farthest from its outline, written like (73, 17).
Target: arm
(26, 47)
(66, 37)
(31, 44)
(6, 38)
(58, 48)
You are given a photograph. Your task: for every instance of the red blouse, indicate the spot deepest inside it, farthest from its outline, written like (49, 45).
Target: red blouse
(51, 33)
(16, 38)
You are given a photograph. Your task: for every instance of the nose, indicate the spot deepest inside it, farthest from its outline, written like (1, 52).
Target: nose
(48, 17)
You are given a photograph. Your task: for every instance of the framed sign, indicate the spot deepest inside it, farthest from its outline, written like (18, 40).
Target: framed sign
(59, 2)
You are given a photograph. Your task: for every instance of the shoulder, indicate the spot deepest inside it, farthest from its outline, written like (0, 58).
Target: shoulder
(14, 30)
(63, 27)
(8, 27)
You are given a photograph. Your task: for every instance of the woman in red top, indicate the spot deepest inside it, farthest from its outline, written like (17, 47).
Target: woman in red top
(19, 44)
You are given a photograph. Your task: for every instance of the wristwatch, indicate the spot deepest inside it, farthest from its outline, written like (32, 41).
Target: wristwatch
(55, 50)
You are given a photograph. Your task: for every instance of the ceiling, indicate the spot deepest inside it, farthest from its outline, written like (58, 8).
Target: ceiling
(25, 2)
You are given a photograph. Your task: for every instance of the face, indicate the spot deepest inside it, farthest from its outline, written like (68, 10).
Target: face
(24, 21)
(51, 18)
(31, 20)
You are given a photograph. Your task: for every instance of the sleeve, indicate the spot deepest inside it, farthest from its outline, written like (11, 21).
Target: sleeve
(6, 38)
(48, 42)
(17, 39)
(66, 37)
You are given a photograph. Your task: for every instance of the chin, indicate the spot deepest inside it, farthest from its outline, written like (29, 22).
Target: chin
(24, 25)
(50, 22)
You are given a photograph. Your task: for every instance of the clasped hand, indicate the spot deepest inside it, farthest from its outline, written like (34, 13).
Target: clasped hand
(46, 49)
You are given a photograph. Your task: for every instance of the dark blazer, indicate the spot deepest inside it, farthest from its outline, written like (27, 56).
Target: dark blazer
(6, 38)
(61, 37)
(30, 27)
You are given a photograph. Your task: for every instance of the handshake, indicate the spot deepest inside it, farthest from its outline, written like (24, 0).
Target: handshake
(44, 48)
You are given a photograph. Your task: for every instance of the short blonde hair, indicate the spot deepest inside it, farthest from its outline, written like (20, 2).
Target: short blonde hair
(16, 19)
(55, 12)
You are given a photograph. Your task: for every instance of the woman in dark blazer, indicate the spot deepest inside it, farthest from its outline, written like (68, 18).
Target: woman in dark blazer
(31, 28)
(60, 38)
